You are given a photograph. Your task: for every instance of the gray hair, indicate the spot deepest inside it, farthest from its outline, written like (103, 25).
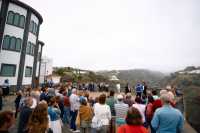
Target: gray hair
(165, 98)
(163, 91)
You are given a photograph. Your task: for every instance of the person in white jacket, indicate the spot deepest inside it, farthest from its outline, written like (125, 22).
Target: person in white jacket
(102, 116)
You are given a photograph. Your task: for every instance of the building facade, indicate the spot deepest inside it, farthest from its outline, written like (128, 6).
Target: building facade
(20, 49)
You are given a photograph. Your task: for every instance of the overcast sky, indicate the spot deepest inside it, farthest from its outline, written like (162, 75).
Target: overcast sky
(160, 35)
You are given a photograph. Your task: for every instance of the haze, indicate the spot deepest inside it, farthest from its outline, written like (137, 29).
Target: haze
(121, 34)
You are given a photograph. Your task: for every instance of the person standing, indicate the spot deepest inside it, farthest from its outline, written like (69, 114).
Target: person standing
(85, 114)
(74, 104)
(102, 116)
(54, 113)
(6, 121)
(24, 115)
(127, 88)
(38, 121)
(17, 102)
(141, 107)
(111, 101)
(133, 122)
(139, 89)
(167, 119)
(6, 87)
(121, 111)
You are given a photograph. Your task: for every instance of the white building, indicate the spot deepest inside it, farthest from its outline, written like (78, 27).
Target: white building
(46, 68)
(20, 49)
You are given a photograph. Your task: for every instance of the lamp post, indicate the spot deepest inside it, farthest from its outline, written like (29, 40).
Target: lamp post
(45, 69)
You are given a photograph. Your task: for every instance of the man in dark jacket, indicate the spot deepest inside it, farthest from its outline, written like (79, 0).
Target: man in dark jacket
(24, 115)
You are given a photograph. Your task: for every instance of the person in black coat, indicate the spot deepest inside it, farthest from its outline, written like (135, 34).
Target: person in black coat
(17, 101)
(24, 115)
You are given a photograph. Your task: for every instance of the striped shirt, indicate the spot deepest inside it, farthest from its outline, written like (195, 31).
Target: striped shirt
(121, 109)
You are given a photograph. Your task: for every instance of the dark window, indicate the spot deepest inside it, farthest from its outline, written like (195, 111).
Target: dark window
(10, 17)
(28, 72)
(32, 49)
(16, 19)
(33, 27)
(22, 21)
(18, 44)
(28, 48)
(8, 70)
(6, 42)
(12, 43)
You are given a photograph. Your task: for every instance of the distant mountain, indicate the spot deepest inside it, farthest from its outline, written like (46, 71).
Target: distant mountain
(135, 75)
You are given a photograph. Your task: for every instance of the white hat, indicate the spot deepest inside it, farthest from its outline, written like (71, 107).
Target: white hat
(120, 96)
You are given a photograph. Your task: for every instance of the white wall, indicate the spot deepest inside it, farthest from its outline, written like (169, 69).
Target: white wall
(11, 57)
(28, 62)
(16, 8)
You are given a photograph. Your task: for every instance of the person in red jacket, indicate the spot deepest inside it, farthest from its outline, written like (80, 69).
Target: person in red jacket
(134, 122)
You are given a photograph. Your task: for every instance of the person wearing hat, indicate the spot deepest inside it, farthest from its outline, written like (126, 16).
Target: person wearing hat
(121, 110)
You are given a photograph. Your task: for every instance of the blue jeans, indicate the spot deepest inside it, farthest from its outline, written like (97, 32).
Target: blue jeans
(66, 115)
(73, 119)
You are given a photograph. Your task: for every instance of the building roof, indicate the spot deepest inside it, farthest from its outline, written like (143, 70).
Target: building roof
(19, 3)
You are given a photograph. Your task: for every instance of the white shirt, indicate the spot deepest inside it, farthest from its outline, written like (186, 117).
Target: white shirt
(102, 112)
(74, 102)
(141, 109)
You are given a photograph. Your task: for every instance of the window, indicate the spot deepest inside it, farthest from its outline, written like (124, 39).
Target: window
(30, 48)
(6, 42)
(16, 19)
(10, 17)
(8, 70)
(28, 72)
(33, 27)
(18, 44)
(22, 21)
(12, 43)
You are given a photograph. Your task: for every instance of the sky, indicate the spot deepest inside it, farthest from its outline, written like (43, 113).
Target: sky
(161, 35)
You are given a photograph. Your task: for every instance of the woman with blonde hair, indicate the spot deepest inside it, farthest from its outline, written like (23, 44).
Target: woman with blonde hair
(38, 121)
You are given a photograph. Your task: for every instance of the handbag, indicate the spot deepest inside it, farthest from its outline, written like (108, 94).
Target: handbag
(97, 123)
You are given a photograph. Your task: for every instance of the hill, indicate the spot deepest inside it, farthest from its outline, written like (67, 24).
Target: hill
(134, 75)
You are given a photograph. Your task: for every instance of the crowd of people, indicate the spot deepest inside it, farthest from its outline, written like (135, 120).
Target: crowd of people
(47, 109)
